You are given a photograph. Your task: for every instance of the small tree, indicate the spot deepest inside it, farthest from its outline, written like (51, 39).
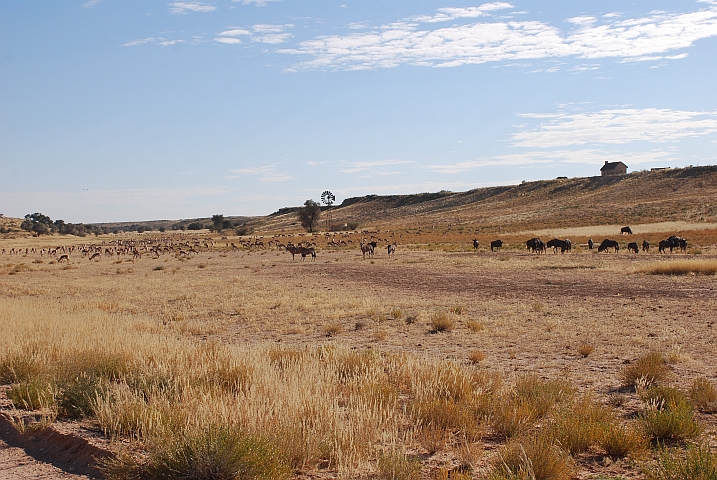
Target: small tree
(309, 215)
(218, 222)
(37, 223)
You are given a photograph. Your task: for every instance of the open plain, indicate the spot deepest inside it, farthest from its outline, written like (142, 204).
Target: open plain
(346, 363)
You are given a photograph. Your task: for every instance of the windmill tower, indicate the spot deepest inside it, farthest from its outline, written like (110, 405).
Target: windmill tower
(328, 199)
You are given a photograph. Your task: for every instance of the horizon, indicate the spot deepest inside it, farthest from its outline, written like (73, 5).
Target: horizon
(134, 111)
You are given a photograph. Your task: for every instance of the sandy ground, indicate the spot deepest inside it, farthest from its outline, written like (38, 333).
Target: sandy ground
(532, 312)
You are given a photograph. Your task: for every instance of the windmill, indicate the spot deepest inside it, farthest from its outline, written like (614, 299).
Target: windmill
(328, 199)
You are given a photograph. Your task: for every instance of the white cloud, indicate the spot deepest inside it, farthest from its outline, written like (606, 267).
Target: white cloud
(266, 174)
(446, 14)
(417, 42)
(618, 126)
(167, 43)
(185, 7)
(356, 167)
(141, 41)
(228, 40)
(90, 3)
(262, 33)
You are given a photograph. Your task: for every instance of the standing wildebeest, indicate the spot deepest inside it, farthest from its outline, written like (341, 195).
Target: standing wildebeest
(496, 244)
(626, 230)
(645, 246)
(609, 244)
(673, 242)
(307, 251)
(590, 244)
(556, 243)
(632, 247)
(476, 244)
(535, 245)
(292, 249)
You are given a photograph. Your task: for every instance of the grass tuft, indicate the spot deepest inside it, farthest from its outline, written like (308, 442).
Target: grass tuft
(696, 462)
(669, 415)
(442, 322)
(703, 395)
(648, 370)
(476, 356)
(396, 466)
(332, 329)
(585, 350)
(534, 458)
(682, 267)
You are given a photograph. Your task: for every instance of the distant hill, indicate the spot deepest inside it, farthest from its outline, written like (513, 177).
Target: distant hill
(154, 225)
(684, 194)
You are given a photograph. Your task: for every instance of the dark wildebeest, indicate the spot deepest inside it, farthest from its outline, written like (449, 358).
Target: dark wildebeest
(590, 244)
(645, 246)
(307, 251)
(476, 244)
(569, 245)
(609, 244)
(535, 245)
(632, 247)
(626, 230)
(496, 244)
(556, 244)
(391, 249)
(673, 242)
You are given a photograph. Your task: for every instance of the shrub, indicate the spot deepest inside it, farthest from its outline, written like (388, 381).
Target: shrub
(396, 466)
(396, 313)
(447, 414)
(32, 395)
(535, 458)
(442, 322)
(474, 326)
(212, 453)
(697, 462)
(333, 329)
(510, 417)
(585, 350)
(619, 441)
(670, 419)
(476, 356)
(77, 397)
(704, 395)
(541, 394)
(578, 426)
(651, 368)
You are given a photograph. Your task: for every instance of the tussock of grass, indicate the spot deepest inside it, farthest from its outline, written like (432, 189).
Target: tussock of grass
(696, 462)
(681, 267)
(332, 329)
(703, 395)
(669, 415)
(474, 326)
(397, 466)
(579, 425)
(649, 369)
(585, 350)
(476, 356)
(534, 458)
(442, 322)
(620, 441)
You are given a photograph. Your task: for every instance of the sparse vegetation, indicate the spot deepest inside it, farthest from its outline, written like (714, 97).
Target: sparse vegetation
(585, 350)
(682, 267)
(442, 322)
(649, 369)
(704, 395)
(696, 462)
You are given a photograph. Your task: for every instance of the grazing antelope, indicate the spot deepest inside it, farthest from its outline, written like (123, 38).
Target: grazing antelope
(95, 256)
(368, 248)
(391, 249)
(65, 258)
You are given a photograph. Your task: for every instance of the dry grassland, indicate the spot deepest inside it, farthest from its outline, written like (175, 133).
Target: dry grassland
(439, 363)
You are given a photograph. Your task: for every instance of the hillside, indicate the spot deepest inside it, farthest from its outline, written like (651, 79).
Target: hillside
(686, 194)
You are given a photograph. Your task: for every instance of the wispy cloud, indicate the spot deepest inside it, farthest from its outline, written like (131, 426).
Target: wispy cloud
(258, 3)
(262, 33)
(154, 41)
(617, 126)
(90, 3)
(357, 167)
(265, 174)
(186, 7)
(416, 41)
(587, 157)
(141, 41)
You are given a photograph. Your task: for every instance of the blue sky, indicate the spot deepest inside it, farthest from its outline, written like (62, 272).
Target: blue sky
(135, 110)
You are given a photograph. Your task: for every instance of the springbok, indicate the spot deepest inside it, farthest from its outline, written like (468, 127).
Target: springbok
(95, 256)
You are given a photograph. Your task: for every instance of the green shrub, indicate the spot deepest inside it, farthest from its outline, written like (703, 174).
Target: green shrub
(671, 419)
(580, 425)
(78, 396)
(695, 463)
(535, 458)
(541, 394)
(620, 441)
(214, 453)
(396, 466)
(32, 395)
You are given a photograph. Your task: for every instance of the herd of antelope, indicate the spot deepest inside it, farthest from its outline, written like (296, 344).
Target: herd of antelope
(306, 246)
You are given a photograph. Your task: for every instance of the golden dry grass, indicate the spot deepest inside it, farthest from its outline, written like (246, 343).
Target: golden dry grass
(177, 350)
(681, 267)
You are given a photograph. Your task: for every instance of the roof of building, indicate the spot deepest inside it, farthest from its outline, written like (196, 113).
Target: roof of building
(612, 166)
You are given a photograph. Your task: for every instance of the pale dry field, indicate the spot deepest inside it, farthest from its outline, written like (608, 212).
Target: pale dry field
(280, 332)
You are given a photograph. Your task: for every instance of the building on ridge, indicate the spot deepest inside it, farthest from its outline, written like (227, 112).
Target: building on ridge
(613, 168)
